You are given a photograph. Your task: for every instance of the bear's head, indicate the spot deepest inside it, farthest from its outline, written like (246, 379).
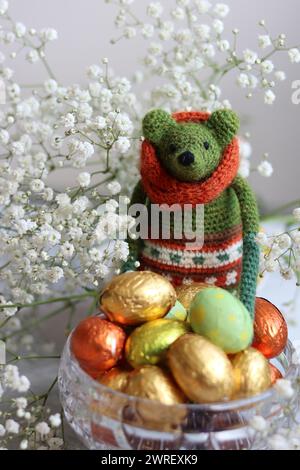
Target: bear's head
(190, 151)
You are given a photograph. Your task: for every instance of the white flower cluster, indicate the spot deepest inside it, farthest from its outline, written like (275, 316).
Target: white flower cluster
(282, 252)
(284, 434)
(22, 422)
(47, 234)
(187, 49)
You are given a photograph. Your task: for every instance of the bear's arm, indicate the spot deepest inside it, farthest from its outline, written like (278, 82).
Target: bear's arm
(250, 221)
(138, 197)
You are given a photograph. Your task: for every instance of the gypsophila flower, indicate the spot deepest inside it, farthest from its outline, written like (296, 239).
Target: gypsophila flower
(114, 187)
(264, 41)
(24, 444)
(33, 56)
(84, 179)
(20, 29)
(223, 45)
(155, 9)
(296, 213)
(280, 75)
(294, 55)
(42, 428)
(2, 430)
(3, 7)
(122, 144)
(48, 34)
(265, 169)
(147, 30)
(250, 56)
(270, 97)
(243, 80)
(267, 66)
(11, 426)
(221, 9)
(37, 185)
(55, 420)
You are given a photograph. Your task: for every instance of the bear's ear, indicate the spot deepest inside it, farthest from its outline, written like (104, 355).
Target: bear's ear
(225, 124)
(155, 124)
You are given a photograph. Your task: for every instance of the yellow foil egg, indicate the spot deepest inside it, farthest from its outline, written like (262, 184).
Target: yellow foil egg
(201, 369)
(154, 383)
(251, 372)
(149, 342)
(136, 297)
(115, 378)
(186, 292)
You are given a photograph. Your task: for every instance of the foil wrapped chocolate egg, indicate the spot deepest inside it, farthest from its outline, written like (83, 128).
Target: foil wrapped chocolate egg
(178, 312)
(221, 318)
(149, 342)
(270, 329)
(201, 369)
(136, 297)
(154, 383)
(97, 344)
(251, 372)
(186, 292)
(157, 385)
(116, 378)
(275, 374)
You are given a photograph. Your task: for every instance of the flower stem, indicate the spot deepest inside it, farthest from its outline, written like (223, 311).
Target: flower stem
(53, 300)
(281, 209)
(27, 358)
(32, 324)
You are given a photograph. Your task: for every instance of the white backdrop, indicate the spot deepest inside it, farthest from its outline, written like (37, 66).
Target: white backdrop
(86, 26)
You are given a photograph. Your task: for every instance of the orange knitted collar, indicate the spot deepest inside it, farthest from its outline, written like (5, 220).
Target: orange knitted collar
(161, 188)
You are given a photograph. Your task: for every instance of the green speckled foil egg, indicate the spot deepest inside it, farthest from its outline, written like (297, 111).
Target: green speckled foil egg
(221, 318)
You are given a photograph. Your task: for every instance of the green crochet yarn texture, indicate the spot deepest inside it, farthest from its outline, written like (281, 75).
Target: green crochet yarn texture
(233, 211)
(205, 142)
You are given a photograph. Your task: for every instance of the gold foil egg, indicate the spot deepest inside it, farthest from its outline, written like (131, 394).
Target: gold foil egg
(148, 343)
(186, 292)
(136, 297)
(115, 378)
(201, 369)
(155, 384)
(252, 373)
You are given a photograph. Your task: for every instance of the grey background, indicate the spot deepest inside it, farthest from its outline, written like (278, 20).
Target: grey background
(86, 26)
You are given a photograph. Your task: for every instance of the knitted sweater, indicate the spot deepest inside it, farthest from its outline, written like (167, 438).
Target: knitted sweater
(229, 255)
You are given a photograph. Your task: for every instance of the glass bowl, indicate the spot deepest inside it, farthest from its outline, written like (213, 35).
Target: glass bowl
(106, 419)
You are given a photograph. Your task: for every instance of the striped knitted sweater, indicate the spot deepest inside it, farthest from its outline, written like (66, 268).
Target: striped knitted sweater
(217, 262)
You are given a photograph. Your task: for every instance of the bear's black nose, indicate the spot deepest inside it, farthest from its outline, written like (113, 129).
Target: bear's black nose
(186, 158)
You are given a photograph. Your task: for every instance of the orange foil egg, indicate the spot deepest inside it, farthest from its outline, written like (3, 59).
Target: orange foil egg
(270, 329)
(275, 374)
(97, 344)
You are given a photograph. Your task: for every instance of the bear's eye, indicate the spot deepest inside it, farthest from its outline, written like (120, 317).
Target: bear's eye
(172, 148)
(206, 145)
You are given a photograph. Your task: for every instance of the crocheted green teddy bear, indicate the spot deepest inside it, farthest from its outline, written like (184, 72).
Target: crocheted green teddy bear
(193, 158)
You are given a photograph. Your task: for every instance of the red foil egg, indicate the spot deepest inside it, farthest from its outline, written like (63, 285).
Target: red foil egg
(97, 344)
(275, 374)
(270, 329)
